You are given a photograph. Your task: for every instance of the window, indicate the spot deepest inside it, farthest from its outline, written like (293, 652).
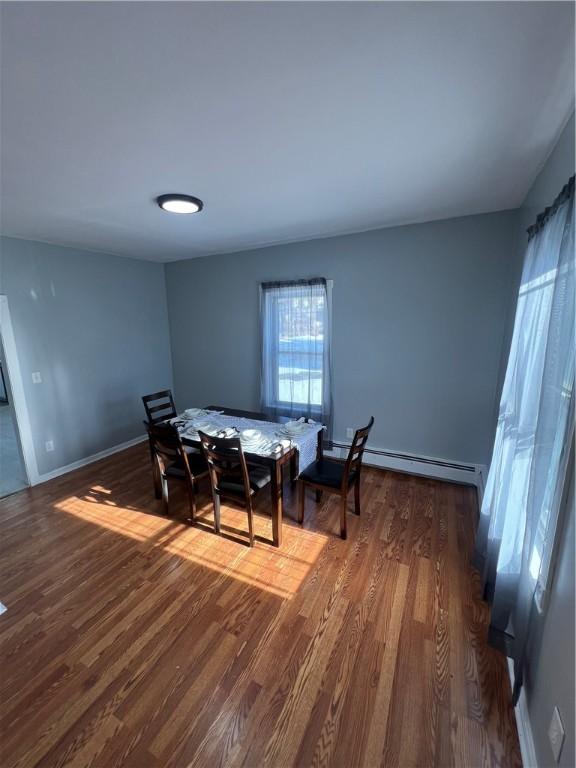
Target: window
(519, 516)
(296, 348)
(545, 540)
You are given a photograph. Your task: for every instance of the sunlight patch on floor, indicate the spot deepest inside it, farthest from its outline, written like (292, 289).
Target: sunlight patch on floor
(278, 571)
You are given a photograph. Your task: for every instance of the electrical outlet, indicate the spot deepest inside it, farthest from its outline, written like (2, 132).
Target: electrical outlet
(49, 446)
(36, 378)
(349, 432)
(556, 734)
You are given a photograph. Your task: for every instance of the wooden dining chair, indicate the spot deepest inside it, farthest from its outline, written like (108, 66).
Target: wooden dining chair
(159, 406)
(230, 478)
(336, 477)
(175, 463)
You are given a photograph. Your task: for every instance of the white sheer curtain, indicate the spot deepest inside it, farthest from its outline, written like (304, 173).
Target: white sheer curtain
(534, 431)
(296, 319)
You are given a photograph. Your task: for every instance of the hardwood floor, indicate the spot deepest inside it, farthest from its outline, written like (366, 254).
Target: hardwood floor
(136, 640)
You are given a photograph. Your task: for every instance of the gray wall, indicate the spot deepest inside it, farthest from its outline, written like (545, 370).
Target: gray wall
(550, 675)
(554, 174)
(418, 318)
(550, 667)
(96, 327)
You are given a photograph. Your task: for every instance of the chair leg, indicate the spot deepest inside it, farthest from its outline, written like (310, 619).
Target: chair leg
(156, 477)
(343, 505)
(165, 504)
(301, 492)
(250, 522)
(357, 496)
(192, 498)
(216, 502)
(318, 496)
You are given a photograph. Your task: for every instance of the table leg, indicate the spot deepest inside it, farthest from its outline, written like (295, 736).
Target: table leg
(276, 490)
(320, 446)
(294, 466)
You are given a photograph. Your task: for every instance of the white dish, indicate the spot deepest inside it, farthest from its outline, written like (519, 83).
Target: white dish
(295, 427)
(208, 429)
(251, 435)
(199, 424)
(191, 413)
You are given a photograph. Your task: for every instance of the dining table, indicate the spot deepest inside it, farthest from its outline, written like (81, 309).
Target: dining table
(276, 451)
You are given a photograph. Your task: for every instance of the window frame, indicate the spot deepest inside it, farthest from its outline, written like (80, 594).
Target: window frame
(286, 408)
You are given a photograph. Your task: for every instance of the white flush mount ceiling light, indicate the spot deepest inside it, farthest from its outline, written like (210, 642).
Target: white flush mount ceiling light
(180, 203)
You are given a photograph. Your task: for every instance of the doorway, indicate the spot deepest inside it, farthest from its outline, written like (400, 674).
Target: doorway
(12, 469)
(18, 467)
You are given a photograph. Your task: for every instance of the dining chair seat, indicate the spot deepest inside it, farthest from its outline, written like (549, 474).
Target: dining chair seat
(259, 477)
(326, 472)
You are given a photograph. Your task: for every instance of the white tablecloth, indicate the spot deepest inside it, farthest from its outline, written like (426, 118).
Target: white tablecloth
(306, 443)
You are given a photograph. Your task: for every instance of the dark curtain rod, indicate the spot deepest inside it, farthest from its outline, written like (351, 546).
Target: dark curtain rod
(547, 213)
(289, 283)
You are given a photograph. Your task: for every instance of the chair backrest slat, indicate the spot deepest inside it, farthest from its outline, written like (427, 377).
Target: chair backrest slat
(166, 443)
(226, 460)
(156, 408)
(356, 452)
(157, 411)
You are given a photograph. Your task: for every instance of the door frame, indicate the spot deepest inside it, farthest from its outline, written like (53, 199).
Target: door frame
(16, 385)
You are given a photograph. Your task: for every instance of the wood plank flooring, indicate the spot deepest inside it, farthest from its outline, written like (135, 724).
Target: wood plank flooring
(137, 640)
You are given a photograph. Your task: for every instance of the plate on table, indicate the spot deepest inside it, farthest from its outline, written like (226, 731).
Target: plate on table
(294, 428)
(250, 435)
(192, 413)
(250, 438)
(202, 426)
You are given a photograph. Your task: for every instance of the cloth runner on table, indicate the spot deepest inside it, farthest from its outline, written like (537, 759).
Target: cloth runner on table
(306, 443)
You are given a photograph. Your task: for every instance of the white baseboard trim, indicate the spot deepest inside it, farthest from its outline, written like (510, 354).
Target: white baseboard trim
(426, 466)
(523, 725)
(88, 460)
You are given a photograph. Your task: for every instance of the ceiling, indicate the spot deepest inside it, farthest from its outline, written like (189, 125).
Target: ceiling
(290, 120)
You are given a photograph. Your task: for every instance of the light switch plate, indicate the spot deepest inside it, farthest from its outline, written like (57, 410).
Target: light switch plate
(349, 432)
(49, 446)
(36, 378)
(556, 734)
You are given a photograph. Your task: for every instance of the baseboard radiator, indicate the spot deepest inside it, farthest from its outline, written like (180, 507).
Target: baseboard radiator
(428, 466)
